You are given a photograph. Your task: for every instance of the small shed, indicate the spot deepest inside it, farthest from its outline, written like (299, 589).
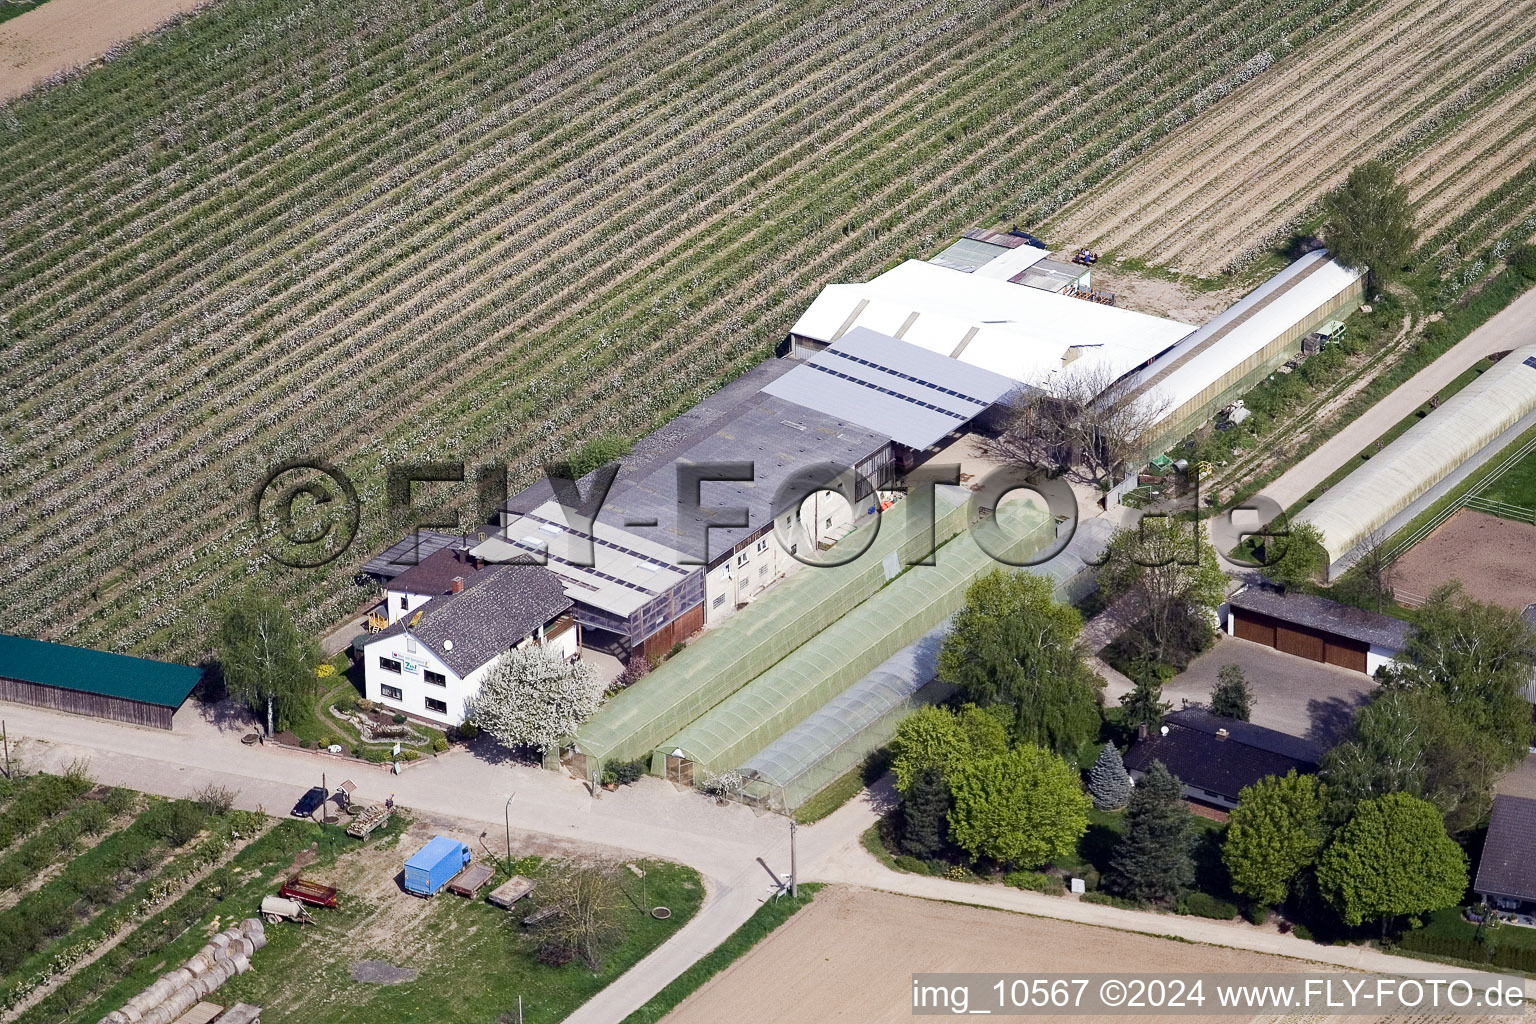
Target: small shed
(1506, 874)
(94, 683)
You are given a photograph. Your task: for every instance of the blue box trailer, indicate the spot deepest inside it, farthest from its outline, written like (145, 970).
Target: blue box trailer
(431, 867)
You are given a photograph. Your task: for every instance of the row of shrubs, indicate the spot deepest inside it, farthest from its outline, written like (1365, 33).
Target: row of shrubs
(37, 799)
(96, 878)
(1516, 958)
(148, 943)
(61, 838)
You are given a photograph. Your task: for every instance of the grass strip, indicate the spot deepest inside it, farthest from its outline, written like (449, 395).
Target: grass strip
(736, 945)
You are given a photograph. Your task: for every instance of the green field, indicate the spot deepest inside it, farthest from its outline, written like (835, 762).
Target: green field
(372, 232)
(1516, 487)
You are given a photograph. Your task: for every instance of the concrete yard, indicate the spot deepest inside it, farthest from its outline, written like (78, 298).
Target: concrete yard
(1292, 695)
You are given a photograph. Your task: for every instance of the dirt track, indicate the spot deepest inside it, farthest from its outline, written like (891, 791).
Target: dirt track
(1495, 559)
(62, 34)
(851, 954)
(1252, 164)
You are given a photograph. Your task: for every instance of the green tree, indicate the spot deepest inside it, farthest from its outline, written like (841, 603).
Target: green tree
(1108, 782)
(1232, 697)
(533, 697)
(1170, 573)
(1021, 808)
(1391, 858)
(925, 815)
(1013, 646)
(268, 665)
(1408, 741)
(1152, 861)
(1274, 834)
(938, 738)
(1479, 656)
(1300, 557)
(1369, 222)
(1144, 704)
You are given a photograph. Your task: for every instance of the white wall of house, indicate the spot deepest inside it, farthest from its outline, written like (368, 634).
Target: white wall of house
(823, 518)
(409, 689)
(403, 602)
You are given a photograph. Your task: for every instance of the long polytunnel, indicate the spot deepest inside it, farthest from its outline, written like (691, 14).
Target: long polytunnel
(833, 739)
(911, 605)
(740, 649)
(1370, 497)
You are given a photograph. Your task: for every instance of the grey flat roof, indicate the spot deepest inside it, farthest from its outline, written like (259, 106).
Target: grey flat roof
(777, 437)
(903, 391)
(409, 551)
(1050, 275)
(969, 254)
(1321, 613)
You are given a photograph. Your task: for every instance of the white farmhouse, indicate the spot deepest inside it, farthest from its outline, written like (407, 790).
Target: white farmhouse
(430, 661)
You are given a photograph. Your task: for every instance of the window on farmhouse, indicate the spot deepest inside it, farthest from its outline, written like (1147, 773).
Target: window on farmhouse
(404, 602)
(436, 678)
(391, 692)
(741, 559)
(440, 706)
(762, 546)
(389, 665)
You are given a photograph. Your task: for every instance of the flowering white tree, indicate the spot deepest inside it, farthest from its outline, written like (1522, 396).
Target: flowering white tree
(533, 697)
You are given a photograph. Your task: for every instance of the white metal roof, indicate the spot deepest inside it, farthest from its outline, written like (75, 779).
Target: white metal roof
(1243, 329)
(895, 388)
(1021, 333)
(1011, 262)
(1431, 449)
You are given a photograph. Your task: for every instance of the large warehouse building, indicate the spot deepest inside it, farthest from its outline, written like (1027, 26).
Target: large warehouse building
(1413, 471)
(1026, 334)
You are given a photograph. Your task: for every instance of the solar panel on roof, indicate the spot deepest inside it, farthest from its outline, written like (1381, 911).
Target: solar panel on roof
(908, 393)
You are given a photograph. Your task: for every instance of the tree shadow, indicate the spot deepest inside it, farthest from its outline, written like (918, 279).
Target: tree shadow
(227, 716)
(882, 794)
(1329, 720)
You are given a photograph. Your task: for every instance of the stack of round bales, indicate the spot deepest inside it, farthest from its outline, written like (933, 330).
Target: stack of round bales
(227, 954)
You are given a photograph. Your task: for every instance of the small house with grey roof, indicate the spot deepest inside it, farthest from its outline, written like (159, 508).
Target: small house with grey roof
(431, 659)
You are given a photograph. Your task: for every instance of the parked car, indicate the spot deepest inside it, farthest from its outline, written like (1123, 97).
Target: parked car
(309, 803)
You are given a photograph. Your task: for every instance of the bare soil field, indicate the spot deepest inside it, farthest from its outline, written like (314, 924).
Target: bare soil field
(851, 954)
(1443, 89)
(1162, 297)
(63, 34)
(1495, 560)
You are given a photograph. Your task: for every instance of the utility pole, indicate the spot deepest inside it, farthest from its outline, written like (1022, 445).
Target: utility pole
(794, 881)
(506, 813)
(5, 737)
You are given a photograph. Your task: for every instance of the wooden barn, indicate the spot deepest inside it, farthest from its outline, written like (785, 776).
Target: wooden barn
(95, 683)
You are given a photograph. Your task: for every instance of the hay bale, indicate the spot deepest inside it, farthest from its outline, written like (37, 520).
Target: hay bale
(242, 963)
(258, 941)
(252, 927)
(115, 1017)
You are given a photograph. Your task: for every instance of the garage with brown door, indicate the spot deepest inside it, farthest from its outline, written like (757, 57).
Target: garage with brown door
(1313, 627)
